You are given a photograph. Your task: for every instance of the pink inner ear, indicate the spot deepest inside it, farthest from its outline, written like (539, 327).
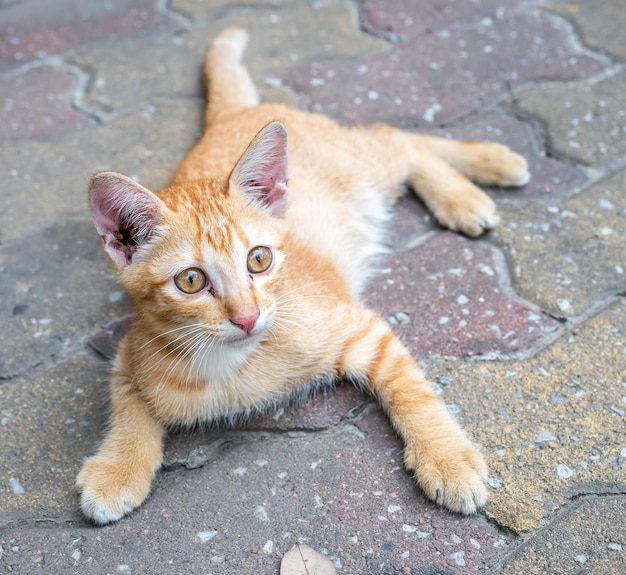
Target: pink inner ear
(124, 213)
(261, 173)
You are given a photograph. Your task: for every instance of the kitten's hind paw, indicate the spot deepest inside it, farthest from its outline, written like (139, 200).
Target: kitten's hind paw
(470, 211)
(110, 490)
(453, 475)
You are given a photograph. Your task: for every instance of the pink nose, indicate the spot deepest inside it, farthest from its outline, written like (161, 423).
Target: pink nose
(246, 323)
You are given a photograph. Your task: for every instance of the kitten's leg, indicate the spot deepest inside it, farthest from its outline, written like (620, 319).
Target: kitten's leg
(487, 163)
(117, 479)
(429, 166)
(448, 468)
(229, 84)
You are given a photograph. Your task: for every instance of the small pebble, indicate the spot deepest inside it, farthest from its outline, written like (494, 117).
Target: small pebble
(545, 436)
(564, 471)
(459, 558)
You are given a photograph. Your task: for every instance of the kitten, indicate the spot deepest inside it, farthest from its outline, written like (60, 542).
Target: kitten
(246, 282)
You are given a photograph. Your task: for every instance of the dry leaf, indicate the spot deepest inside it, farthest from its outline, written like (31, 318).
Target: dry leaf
(302, 560)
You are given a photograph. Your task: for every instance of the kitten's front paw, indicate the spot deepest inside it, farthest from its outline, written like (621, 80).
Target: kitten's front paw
(451, 472)
(110, 490)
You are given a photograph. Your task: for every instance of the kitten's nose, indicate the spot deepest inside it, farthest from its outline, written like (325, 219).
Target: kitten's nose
(246, 323)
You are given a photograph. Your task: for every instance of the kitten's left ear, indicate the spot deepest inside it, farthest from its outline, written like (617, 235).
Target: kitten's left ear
(261, 173)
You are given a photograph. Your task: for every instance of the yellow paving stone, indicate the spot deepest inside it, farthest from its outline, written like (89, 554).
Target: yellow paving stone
(552, 426)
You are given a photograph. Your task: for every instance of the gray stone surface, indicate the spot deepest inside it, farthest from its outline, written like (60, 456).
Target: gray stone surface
(587, 121)
(568, 255)
(586, 538)
(540, 383)
(45, 182)
(601, 26)
(54, 288)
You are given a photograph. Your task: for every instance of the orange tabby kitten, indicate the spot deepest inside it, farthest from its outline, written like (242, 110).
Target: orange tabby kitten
(246, 282)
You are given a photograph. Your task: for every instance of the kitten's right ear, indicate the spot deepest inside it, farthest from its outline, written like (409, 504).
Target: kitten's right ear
(125, 213)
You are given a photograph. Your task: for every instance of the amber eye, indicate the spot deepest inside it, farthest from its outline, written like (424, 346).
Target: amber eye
(259, 259)
(190, 281)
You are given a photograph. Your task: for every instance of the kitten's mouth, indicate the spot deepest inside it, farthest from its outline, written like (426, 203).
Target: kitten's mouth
(244, 338)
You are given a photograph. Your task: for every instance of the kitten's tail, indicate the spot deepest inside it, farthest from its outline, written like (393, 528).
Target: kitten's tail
(229, 84)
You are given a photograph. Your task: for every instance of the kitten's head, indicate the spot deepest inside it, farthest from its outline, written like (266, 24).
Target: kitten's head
(203, 257)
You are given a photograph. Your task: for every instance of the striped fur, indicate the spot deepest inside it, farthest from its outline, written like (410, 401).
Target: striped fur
(249, 339)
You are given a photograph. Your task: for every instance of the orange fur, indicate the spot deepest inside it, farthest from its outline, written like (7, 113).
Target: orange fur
(249, 338)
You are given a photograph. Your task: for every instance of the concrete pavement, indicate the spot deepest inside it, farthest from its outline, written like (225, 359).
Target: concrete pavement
(523, 331)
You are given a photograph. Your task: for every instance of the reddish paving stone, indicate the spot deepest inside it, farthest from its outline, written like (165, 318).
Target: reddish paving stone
(411, 221)
(39, 28)
(447, 297)
(437, 75)
(341, 493)
(38, 105)
(323, 410)
(411, 17)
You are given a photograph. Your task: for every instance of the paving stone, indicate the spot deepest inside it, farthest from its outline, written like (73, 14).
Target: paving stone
(411, 221)
(588, 537)
(448, 297)
(207, 9)
(35, 29)
(340, 492)
(38, 105)
(601, 25)
(146, 144)
(567, 256)
(55, 286)
(408, 18)
(49, 425)
(471, 63)
(552, 426)
(278, 38)
(585, 121)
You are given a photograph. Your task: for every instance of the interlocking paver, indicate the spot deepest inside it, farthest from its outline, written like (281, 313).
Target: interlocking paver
(44, 182)
(38, 105)
(470, 62)
(568, 256)
(448, 297)
(35, 29)
(62, 412)
(297, 33)
(552, 426)
(268, 492)
(586, 121)
(602, 26)
(46, 319)
(587, 538)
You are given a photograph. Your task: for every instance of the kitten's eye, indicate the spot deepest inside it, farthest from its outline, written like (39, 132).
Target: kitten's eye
(259, 259)
(190, 281)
